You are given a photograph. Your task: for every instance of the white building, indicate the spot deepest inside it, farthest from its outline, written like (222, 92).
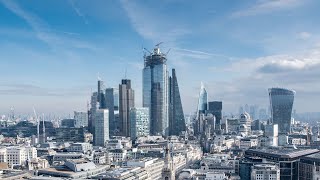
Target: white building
(271, 131)
(80, 147)
(81, 119)
(101, 127)
(19, 155)
(3, 155)
(117, 155)
(139, 122)
(153, 166)
(265, 172)
(216, 176)
(247, 143)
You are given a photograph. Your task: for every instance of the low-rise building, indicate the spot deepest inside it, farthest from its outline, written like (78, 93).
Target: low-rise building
(265, 172)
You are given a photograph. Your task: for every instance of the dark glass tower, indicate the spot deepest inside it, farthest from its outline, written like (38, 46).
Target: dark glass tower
(176, 116)
(109, 99)
(126, 102)
(215, 108)
(281, 102)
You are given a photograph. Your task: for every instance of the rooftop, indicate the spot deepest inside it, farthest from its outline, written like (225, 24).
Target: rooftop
(284, 153)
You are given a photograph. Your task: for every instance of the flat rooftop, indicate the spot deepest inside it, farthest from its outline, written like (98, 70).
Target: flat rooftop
(284, 153)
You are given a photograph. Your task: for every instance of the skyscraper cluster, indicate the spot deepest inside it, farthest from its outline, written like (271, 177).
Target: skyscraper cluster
(161, 114)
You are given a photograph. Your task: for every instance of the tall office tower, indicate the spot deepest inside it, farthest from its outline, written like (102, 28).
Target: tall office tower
(101, 127)
(215, 108)
(281, 102)
(91, 115)
(100, 88)
(139, 122)
(81, 119)
(126, 101)
(156, 91)
(110, 106)
(203, 99)
(116, 98)
(176, 117)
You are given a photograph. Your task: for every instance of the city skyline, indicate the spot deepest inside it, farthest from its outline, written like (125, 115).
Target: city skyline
(238, 50)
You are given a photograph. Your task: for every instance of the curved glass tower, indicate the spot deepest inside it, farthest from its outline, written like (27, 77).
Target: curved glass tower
(156, 91)
(203, 99)
(281, 102)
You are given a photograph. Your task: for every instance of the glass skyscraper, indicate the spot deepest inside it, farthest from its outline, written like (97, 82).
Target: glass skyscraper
(203, 99)
(101, 134)
(281, 102)
(156, 91)
(176, 117)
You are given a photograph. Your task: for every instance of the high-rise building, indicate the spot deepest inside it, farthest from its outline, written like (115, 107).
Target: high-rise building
(176, 121)
(156, 91)
(81, 119)
(203, 99)
(116, 98)
(91, 116)
(139, 122)
(281, 102)
(109, 97)
(215, 108)
(126, 102)
(101, 127)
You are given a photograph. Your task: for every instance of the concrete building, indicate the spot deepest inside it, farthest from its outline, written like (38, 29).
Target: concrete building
(139, 122)
(101, 127)
(80, 147)
(265, 172)
(81, 119)
(153, 166)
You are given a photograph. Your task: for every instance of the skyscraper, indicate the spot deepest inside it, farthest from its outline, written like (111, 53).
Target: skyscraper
(281, 102)
(101, 97)
(139, 122)
(176, 121)
(101, 127)
(91, 113)
(203, 99)
(109, 98)
(156, 91)
(126, 101)
(215, 108)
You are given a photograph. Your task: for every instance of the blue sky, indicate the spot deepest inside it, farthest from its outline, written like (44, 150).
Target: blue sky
(52, 51)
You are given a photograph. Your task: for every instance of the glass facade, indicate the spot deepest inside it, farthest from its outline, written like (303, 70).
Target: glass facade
(203, 99)
(281, 102)
(176, 120)
(139, 118)
(101, 127)
(155, 92)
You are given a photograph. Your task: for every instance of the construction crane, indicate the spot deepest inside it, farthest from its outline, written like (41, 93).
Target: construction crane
(38, 123)
(157, 45)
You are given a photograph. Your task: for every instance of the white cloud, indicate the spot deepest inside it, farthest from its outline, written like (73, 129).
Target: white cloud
(304, 35)
(267, 6)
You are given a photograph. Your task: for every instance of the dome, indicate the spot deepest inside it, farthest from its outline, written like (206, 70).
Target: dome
(245, 115)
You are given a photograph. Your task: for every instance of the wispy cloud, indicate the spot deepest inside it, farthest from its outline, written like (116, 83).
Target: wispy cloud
(268, 6)
(78, 11)
(201, 54)
(152, 26)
